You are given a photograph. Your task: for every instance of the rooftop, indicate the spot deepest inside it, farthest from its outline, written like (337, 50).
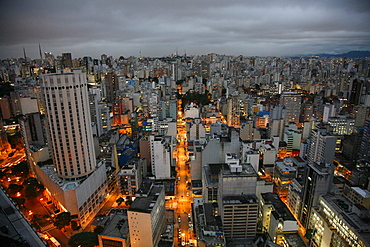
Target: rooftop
(240, 199)
(361, 192)
(279, 205)
(146, 203)
(117, 226)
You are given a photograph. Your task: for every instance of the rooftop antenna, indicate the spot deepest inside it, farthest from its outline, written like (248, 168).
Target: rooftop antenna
(40, 51)
(24, 54)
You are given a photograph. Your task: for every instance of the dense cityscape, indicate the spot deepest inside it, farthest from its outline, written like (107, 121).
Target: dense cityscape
(185, 150)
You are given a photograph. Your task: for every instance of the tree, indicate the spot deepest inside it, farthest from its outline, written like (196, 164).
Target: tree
(128, 202)
(179, 82)
(309, 234)
(74, 225)
(98, 229)
(84, 239)
(19, 201)
(20, 169)
(30, 180)
(15, 140)
(120, 200)
(2, 174)
(33, 190)
(6, 88)
(14, 188)
(62, 220)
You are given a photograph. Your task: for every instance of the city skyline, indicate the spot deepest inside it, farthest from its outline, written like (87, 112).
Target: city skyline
(160, 28)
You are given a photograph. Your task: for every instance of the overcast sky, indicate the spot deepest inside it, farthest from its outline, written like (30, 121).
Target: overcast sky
(162, 27)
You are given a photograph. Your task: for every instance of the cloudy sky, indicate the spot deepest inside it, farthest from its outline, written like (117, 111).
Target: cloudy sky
(162, 27)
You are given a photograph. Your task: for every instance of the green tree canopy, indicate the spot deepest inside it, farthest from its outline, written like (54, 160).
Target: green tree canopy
(98, 229)
(19, 201)
(194, 97)
(120, 200)
(128, 202)
(2, 174)
(84, 239)
(14, 188)
(33, 190)
(62, 220)
(6, 88)
(20, 169)
(30, 181)
(15, 140)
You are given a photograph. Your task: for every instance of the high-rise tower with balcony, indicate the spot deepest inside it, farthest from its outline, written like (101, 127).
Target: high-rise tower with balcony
(76, 182)
(67, 111)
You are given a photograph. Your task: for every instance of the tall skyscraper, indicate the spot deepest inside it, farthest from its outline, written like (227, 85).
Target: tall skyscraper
(316, 182)
(292, 103)
(322, 146)
(364, 152)
(67, 111)
(111, 86)
(76, 182)
(356, 91)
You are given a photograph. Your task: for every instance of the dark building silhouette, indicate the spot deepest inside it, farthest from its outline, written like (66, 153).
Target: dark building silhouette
(364, 152)
(356, 90)
(316, 182)
(111, 86)
(66, 60)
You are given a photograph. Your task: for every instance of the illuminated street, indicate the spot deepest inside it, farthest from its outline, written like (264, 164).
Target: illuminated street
(183, 193)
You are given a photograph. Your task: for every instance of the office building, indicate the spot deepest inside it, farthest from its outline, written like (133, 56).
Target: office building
(316, 182)
(68, 115)
(341, 125)
(246, 130)
(146, 215)
(339, 222)
(237, 201)
(130, 176)
(364, 152)
(210, 229)
(66, 60)
(195, 129)
(161, 154)
(322, 146)
(76, 182)
(275, 217)
(111, 86)
(116, 231)
(292, 103)
(167, 109)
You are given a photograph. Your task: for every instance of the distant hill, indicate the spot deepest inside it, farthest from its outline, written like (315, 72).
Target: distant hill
(348, 54)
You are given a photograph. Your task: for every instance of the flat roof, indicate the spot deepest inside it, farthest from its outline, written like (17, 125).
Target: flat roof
(361, 192)
(117, 226)
(146, 204)
(240, 199)
(279, 205)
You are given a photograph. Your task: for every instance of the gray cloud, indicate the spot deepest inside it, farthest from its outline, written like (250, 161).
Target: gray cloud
(159, 27)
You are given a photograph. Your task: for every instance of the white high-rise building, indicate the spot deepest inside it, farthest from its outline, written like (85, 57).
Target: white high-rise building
(67, 111)
(161, 148)
(76, 182)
